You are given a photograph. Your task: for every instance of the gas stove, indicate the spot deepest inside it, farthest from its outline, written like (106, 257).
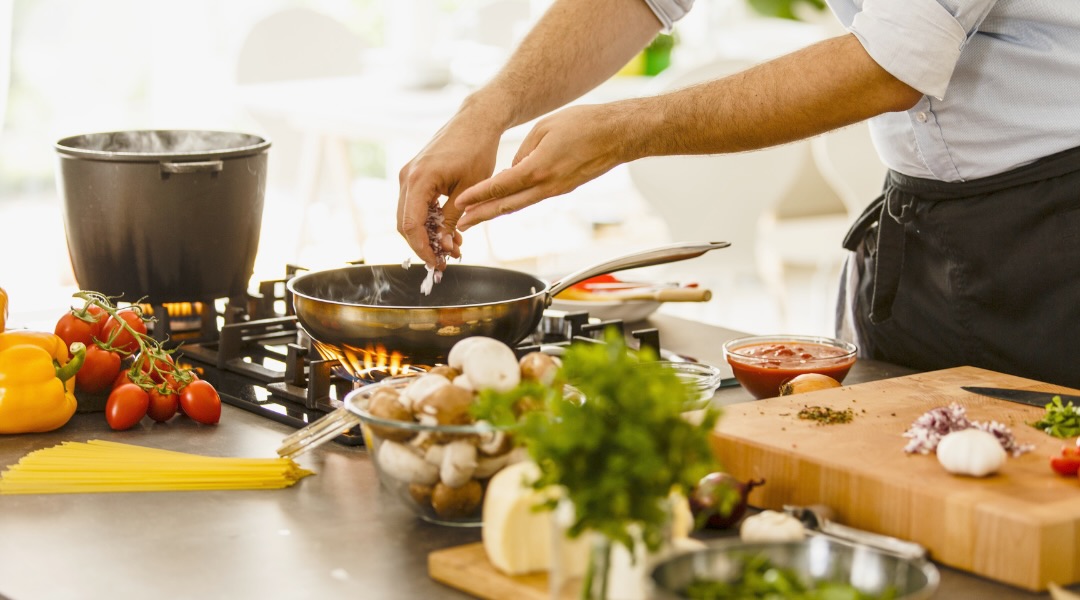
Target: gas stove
(259, 359)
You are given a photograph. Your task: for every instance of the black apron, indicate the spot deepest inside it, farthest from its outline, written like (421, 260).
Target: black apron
(983, 273)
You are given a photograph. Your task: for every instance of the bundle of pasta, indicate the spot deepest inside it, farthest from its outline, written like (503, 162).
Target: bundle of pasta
(101, 466)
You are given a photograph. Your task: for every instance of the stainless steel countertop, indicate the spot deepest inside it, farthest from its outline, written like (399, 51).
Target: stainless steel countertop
(333, 535)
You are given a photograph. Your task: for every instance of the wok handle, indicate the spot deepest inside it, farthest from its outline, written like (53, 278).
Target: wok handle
(645, 258)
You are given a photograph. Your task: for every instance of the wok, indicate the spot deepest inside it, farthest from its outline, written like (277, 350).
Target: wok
(354, 310)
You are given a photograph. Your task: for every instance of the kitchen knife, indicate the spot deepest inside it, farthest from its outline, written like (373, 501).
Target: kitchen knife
(1029, 397)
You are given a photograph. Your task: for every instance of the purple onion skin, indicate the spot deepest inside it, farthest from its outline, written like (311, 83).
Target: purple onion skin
(707, 500)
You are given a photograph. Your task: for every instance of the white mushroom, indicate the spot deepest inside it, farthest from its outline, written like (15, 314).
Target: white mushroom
(434, 454)
(400, 462)
(458, 464)
(456, 357)
(488, 466)
(494, 443)
(462, 381)
(491, 364)
(420, 387)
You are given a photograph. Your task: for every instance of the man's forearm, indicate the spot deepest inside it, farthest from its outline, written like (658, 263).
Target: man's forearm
(817, 89)
(577, 45)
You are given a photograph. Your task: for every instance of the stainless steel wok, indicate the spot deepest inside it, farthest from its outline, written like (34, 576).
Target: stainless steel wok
(361, 308)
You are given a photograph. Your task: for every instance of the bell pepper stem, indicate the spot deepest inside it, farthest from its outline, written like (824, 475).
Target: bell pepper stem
(78, 355)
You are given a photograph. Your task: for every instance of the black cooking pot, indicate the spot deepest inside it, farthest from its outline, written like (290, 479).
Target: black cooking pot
(169, 216)
(353, 310)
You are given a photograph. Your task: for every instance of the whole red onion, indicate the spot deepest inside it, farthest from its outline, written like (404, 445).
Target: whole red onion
(719, 500)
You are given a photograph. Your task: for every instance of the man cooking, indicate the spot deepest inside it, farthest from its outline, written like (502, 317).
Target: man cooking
(971, 254)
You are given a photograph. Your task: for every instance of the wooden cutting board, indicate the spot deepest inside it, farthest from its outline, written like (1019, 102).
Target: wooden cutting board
(467, 568)
(1020, 526)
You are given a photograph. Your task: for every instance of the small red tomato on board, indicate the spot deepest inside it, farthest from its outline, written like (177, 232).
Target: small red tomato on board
(123, 339)
(162, 406)
(72, 329)
(126, 406)
(1068, 462)
(99, 370)
(200, 401)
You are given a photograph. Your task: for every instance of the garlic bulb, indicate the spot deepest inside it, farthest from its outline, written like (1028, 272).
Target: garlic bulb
(771, 526)
(971, 452)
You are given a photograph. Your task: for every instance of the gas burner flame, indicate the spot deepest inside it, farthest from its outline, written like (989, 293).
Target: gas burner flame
(367, 365)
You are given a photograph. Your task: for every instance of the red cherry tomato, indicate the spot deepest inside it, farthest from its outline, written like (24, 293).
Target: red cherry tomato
(1068, 462)
(163, 406)
(123, 339)
(200, 401)
(122, 379)
(99, 370)
(72, 329)
(126, 406)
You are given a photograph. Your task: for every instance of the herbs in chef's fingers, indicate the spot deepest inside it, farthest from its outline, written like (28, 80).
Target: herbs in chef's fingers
(1061, 420)
(618, 451)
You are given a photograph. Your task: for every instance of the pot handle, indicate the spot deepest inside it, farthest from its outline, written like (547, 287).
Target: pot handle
(645, 258)
(205, 166)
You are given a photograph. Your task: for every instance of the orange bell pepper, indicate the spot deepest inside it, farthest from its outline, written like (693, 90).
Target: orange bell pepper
(3, 308)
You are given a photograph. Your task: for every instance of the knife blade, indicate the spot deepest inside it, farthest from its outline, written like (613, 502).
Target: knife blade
(1029, 397)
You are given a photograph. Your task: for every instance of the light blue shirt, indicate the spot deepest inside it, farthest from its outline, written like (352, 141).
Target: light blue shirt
(1001, 80)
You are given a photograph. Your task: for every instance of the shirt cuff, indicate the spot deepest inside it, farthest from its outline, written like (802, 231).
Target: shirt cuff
(669, 11)
(917, 41)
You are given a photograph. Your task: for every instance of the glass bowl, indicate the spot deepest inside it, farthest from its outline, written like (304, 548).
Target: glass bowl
(813, 561)
(703, 379)
(440, 472)
(763, 363)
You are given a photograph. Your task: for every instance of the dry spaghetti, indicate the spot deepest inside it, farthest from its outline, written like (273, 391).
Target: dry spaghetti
(101, 466)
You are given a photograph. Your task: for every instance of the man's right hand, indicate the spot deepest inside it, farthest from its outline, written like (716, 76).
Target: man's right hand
(461, 154)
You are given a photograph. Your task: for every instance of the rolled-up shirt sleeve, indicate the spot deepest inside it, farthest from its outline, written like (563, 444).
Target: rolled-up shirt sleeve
(919, 41)
(669, 11)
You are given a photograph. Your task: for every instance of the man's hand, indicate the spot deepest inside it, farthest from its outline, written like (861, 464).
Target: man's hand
(461, 154)
(563, 151)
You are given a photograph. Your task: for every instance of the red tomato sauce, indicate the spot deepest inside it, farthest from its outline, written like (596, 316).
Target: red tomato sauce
(763, 368)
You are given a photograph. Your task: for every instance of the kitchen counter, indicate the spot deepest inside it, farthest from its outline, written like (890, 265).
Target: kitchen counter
(333, 535)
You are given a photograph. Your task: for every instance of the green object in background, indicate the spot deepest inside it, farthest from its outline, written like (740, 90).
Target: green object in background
(658, 54)
(783, 9)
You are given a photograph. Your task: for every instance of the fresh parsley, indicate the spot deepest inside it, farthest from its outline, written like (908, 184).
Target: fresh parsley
(620, 448)
(1060, 420)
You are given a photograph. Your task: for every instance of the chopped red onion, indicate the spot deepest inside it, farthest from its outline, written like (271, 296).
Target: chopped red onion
(931, 426)
(433, 225)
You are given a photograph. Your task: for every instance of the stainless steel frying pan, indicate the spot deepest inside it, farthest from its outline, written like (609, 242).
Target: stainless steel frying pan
(367, 306)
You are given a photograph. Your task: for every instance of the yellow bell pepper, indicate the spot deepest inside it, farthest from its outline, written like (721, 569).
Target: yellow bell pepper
(3, 308)
(37, 381)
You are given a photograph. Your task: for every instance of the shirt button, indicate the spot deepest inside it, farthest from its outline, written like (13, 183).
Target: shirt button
(920, 117)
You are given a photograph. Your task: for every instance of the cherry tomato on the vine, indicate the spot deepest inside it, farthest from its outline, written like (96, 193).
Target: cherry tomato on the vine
(124, 340)
(121, 379)
(157, 367)
(126, 406)
(200, 401)
(163, 406)
(72, 329)
(99, 370)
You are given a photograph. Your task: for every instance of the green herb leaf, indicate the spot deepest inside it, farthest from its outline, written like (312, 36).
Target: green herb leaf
(1060, 420)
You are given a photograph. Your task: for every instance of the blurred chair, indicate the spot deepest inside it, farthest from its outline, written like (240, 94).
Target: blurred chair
(848, 162)
(717, 197)
(296, 44)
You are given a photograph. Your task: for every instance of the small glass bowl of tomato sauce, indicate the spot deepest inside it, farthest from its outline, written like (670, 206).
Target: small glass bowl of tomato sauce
(763, 363)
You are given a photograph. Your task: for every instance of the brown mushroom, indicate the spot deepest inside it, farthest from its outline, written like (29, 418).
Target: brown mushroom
(446, 371)
(385, 404)
(459, 502)
(537, 366)
(445, 405)
(421, 494)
